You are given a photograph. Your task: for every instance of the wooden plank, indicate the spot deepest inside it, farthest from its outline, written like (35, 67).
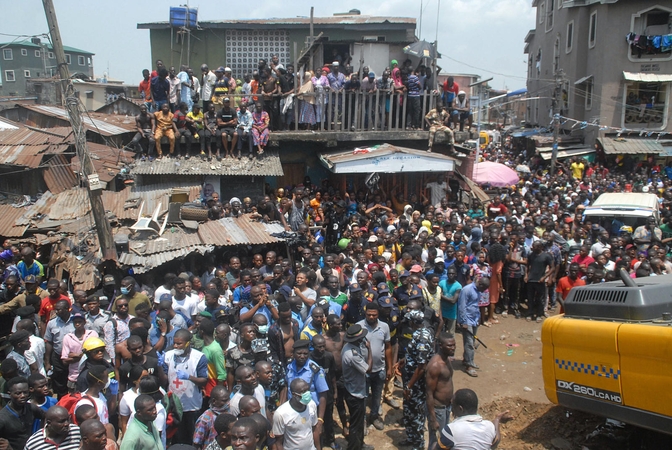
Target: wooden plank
(376, 111)
(403, 111)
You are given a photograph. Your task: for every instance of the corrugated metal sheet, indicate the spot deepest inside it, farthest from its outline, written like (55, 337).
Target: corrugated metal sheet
(142, 264)
(548, 139)
(151, 195)
(68, 205)
(107, 161)
(647, 77)
(630, 145)
(22, 155)
(40, 207)
(9, 215)
(104, 124)
(331, 20)
(173, 238)
(268, 166)
(234, 231)
(59, 175)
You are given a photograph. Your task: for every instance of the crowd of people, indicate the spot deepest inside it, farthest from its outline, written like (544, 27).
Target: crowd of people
(256, 348)
(236, 115)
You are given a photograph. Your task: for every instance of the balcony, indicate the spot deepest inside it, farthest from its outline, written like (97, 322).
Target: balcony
(348, 117)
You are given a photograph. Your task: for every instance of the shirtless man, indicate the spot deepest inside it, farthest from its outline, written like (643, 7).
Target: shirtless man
(334, 340)
(283, 333)
(439, 377)
(146, 125)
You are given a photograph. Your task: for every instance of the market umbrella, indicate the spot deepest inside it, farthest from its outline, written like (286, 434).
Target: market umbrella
(422, 49)
(494, 174)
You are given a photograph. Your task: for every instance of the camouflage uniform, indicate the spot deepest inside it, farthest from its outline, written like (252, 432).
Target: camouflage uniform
(419, 351)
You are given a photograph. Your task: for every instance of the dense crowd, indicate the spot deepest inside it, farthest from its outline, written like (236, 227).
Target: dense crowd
(256, 348)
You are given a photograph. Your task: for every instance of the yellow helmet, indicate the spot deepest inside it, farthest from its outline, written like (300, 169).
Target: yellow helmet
(92, 343)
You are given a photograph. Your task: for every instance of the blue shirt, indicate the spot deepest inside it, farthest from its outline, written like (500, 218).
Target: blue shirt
(448, 310)
(262, 310)
(334, 308)
(467, 306)
(312, 374)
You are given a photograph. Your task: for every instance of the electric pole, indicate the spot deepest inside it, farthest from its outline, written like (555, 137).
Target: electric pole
(72, 106)
(556, 112)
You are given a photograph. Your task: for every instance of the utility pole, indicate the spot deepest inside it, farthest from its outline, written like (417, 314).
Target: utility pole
(556, 108)
(72, 106)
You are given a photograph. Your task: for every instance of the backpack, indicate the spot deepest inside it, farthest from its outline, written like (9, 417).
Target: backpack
(173, 414)
(69, 401)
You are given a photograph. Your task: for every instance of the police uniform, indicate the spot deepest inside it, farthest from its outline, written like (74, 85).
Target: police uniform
(420, 350)
(311, 373)
(404, 295)
(393, 320)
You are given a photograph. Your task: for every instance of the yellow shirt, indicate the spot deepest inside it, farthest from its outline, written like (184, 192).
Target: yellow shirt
(198, 118)
(164, 121)
(577, 170)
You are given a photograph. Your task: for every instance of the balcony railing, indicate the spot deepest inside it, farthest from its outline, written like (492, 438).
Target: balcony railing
(344, 111)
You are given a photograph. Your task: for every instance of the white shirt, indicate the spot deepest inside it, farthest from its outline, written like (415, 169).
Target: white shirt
(188, 306)
(36, 353)
(159, 292)
(100, 403)
(468, 433)
(438, 191)
(209, 81)
(295, 427)
(259, 394)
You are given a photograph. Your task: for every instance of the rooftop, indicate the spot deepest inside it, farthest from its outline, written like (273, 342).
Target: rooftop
(296, 22)
(103, 124)
(27, 43)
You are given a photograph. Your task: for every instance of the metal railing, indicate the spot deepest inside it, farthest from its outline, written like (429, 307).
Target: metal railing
(339, 111)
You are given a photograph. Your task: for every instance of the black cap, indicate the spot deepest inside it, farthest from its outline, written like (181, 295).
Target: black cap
(355, 333)
(19, 337)
(301, 343)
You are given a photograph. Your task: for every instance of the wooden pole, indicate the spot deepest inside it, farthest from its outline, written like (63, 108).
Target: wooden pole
(103, 228)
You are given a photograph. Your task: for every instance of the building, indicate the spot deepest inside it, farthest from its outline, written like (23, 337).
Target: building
(92, 94)
(604, 77)
(24, 60)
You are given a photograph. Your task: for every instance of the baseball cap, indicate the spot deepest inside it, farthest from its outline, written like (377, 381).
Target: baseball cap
(227, 99)
(382, 287)
(385, 301)
(438, 259)
(355, 287)
(108, 280)
(19, 337)
(335, 64)
(416, 268)
(227, 69)
(405, 273)
(78, 316)
(30, 279)
(373, 238)
(220, 69)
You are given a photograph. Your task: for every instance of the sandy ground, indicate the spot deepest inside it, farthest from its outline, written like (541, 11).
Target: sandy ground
(510, 378)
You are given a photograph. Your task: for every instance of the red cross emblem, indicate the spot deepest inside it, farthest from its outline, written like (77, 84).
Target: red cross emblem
(177, 382)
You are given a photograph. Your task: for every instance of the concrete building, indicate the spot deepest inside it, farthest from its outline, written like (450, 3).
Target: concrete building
(92, 94)
(22, 61)
(605, 78)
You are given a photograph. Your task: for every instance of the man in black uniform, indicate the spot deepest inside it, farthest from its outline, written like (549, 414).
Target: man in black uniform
(145, 124)
(326, 360)
(226, 122)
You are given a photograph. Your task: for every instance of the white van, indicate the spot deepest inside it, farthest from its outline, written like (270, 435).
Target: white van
(628, 208)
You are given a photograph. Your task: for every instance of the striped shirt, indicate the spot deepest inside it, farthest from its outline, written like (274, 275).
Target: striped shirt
(39, 441)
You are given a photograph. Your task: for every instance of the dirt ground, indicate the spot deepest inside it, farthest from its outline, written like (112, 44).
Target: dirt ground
(510, 378)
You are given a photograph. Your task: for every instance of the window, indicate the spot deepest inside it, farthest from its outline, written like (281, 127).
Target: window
(37, 54)
(26, 73)
(589, 94)
(550, 10)
(646, 105)
(68, 59)
(592, 31)
(538, 62)
(542, 12)
(655, 21)
(9, 75)
(51, 55)
(7, 54)
(81, 60)
(89, 61)
(570, 37)
(24, 52)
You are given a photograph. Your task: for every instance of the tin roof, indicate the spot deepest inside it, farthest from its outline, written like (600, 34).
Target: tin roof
(58, 175)
(267, 166)
(103, 124)
(295, 22)
(9, 215)
(151, 195)
(16, 141)
(630, 145)
(107, 161)
(237, 231)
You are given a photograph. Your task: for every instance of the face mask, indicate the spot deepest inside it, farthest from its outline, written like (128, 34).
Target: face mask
(107, 385)
(219, 409)
(125, 290)
(179, 352)
(306, 397)
(263, 329)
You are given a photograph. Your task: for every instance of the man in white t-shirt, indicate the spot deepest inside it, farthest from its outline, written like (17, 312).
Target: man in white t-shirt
(439, 189)
(97, 379)
(165, 288)
(182, 302)
(247, 384)
(469, 431)
(294, 421)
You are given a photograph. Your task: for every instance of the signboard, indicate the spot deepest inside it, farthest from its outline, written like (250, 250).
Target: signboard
(396, 163)
(372, 181)
(94, 182)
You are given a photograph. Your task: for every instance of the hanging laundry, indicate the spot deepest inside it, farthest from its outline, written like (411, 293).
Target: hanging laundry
(630, 38)
(656, 42)
(666, 43)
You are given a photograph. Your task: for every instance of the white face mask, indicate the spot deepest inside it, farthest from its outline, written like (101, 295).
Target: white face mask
(107, 385)
(179, 352)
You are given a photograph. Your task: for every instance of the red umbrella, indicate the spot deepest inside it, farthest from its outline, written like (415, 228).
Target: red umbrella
(494, 174)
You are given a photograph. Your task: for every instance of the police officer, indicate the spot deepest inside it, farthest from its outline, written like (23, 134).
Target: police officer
(357, 361)
(407, 290)
(420, 350)
(354, 309)
(309, 371)
(389, 313)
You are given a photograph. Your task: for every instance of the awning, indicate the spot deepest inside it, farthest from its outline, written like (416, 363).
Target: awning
(387, 158)
(526, 133)
(647, 77)
(630, 146)
(583, 80)
(567, 153)
(517, 92)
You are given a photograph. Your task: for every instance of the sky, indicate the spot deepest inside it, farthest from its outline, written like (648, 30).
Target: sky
(483, 37)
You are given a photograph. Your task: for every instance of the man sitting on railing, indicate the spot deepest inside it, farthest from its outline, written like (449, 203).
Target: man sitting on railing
(461, 111)
(437, 119)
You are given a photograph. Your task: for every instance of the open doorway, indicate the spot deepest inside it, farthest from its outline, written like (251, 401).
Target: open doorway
(336, 52)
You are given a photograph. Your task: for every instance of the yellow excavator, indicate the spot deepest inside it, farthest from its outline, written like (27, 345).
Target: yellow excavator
(610, 353)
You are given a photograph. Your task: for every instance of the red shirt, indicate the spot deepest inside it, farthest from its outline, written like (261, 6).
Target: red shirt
(48, 304)
(454, 88)
(565, 284)
(145, 86)
(588, 260)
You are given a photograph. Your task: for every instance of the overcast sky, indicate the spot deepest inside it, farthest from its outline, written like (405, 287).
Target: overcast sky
(483, 37)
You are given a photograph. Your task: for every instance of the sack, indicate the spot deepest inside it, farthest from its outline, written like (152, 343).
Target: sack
(69, 401)
(173, 416)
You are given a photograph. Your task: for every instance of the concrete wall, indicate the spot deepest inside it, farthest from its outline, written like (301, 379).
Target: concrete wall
(606, 62)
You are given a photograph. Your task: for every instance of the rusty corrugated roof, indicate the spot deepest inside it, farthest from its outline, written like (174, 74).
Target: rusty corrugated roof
(26, 147)
(267, 166)
(107, 161)
(22, 155)
(630, 145)
(103, 124)
(9, 215)
(59, 175)
(235, 231)
(151, 195)
(142, 264)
